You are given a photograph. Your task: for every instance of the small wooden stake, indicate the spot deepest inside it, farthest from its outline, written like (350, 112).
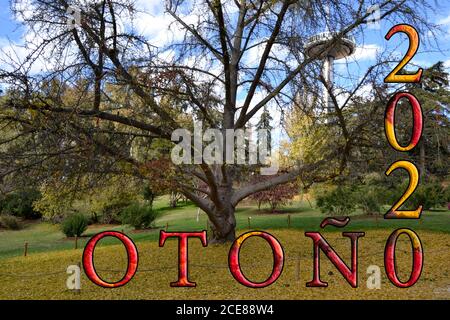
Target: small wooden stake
(78, 291)
(76, 242)
(249, 222)
(25, 251)
(167, 226)
(297, 268)
(289, 220)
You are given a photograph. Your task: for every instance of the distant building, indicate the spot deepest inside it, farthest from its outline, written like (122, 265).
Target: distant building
(328, 46)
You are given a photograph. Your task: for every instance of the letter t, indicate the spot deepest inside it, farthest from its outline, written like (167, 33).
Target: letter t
(183, 237)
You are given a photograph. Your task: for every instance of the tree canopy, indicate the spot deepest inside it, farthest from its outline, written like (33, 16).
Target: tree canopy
(107, 93)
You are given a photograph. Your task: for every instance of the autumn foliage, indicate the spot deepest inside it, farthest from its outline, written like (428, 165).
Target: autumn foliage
(276, 196)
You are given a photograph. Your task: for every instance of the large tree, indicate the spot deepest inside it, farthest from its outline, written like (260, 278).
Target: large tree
(108, 86)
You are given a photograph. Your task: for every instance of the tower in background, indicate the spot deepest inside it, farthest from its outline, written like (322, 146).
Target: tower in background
(328, 47)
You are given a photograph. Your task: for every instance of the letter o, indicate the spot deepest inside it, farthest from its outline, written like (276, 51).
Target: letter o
(88, 259)
(278, 263)
(389, 121)
(389, 258)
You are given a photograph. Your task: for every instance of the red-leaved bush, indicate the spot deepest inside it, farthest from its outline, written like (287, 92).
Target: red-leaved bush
(277, 196)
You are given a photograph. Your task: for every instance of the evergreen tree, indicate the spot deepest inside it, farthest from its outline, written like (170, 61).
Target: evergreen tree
(433, 92)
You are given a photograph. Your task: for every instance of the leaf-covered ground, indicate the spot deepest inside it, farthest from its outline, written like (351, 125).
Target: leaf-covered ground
(43, 275)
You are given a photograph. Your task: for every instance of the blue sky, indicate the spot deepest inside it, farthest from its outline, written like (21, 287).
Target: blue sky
(11, 29)
(8, 27)
(154, 27)
(373, 39)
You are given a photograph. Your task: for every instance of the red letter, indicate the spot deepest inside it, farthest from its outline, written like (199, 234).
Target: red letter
(183, 280)
(278, 259)
(389, 258)
(88, 259)
(351, 275)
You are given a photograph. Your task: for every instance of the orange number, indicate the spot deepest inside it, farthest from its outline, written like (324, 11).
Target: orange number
(413, 36)
(394, 213)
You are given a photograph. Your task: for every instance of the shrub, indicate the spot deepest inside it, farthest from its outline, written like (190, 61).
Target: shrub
(431, 195)
(10, 222)
(139, 216)
(276, 196)
(74, 225)
(447, 197)
(93, 218)
(369, 199)
(339, 201)
(110, 213)
(20, 204)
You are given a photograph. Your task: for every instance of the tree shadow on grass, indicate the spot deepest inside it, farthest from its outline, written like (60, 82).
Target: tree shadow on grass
(178, 207)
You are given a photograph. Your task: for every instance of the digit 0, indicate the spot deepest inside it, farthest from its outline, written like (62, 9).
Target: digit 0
(389, 121)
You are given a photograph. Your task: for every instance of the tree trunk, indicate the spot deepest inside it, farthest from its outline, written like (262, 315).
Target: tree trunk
(222, 217)
(422, 159)
(151, 199)
(273, 206)
(173, 200)
(220, 211)
(223, 227)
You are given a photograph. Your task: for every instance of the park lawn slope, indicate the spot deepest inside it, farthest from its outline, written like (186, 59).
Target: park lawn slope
(46, 237)
(43, 275)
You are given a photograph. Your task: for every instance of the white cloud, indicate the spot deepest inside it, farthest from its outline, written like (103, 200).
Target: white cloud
(158, 26)
(445, 24)
(254, 54)
(447, 64)
(366, 52)
(445, 21)
(365, 91)
(420, 63)
(13, 54)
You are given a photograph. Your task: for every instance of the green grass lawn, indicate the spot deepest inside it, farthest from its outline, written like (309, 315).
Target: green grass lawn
(42, 237)
(43, 275)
